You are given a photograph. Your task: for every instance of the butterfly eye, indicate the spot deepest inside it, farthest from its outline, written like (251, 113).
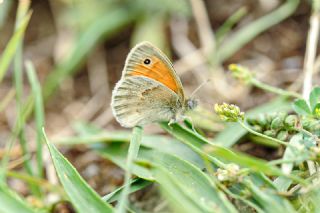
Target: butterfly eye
(147, 61)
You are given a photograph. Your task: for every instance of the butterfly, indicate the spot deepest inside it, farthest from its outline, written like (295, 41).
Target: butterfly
(149, 89)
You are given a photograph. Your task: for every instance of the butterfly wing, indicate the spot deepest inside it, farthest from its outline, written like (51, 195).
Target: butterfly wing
(149, 89)
(138, 100)
(158, 68)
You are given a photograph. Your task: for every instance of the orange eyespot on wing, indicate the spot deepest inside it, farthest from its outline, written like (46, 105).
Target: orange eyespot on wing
(156, 70)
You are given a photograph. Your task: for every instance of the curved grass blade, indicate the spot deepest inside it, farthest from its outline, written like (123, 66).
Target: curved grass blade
(180, 178)
(135, 185)
(82, 196)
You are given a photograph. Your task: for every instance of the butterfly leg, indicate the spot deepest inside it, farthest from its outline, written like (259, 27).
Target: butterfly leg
(172, 121)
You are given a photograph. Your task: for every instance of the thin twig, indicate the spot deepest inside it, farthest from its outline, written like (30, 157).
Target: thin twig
(206, 35)
(310, 55)
(310, 59)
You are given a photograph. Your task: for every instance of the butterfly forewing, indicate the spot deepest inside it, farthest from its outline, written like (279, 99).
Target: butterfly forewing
(148, 61)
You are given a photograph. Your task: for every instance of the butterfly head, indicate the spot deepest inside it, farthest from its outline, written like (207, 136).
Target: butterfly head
(191, 103)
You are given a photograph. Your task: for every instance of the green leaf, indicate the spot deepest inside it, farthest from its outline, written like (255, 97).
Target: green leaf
(11, 202)
(301, 107)
(314, 97)
(82, 196)
(179, 177)
(266, 197)
(316, 110)
(297, 152)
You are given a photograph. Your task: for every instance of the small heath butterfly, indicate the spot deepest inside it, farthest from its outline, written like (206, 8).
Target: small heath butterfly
(149, 89)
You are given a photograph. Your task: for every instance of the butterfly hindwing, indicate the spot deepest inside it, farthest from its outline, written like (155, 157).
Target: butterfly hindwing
(138, 100)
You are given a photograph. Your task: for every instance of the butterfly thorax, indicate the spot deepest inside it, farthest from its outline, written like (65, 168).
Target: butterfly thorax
(181, 109)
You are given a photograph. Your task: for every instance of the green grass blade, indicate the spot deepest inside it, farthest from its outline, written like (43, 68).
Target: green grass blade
(132, 155)
(191, 181)
(135, 185)
(101, 137)
(39, 114)
(13, 45)
(11, 202)
(158, 142)
(102, 28)
(229, 23)
(246, 34)
(188, 180)
(82, 196)
(22, 12)
(177, 197)
(14, 48)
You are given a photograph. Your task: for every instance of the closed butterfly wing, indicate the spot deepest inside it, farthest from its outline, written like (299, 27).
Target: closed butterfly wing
(149, 89)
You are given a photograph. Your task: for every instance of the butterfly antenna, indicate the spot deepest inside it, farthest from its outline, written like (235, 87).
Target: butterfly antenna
(199, 87)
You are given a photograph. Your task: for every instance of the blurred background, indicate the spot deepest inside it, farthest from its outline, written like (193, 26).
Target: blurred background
(78, 49)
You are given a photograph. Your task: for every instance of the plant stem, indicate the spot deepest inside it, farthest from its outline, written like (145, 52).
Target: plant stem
(132, 155)
(229, 23)
(272, 89)
(262, 135)
(281, 161)
(311, 50)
